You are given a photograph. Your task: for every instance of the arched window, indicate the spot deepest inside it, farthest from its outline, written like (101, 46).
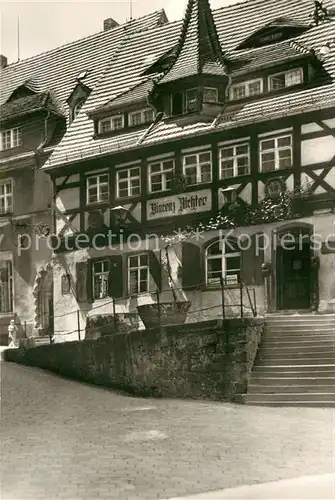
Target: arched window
(77, 107)
(223, 260)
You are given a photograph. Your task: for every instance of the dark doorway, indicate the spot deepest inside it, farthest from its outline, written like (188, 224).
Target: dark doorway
(294, 275)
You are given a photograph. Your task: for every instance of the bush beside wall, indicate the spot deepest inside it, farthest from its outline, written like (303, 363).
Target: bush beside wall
(208, 360)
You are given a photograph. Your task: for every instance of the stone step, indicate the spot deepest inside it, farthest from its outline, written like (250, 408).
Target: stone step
(300, 317)
(281, 397)
(295, 361)
(277, 381)
(330, 329)
(290, 388)
(304, 404)
(302, 341)
(292, 371)
(297, 350)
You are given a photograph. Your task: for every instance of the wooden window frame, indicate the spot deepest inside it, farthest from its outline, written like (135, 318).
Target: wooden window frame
(235, 157)
(7, 209)
(223, 256)
(138, 268)
(97, 176)
(246, 84)
(14, 142)
(128, 179)
(162, 173)
(275, 150)
(198, 165)
(285, 74)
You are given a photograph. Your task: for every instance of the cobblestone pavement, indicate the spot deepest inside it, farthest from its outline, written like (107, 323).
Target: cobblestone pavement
(67, 440)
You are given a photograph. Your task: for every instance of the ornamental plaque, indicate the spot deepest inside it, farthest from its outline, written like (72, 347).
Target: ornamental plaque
(275, 187)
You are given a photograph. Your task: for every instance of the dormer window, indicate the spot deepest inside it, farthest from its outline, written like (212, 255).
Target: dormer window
(191, 100)
(141, 117)
(111, 124)
(211, 94)
(286, 79)
(246, 89)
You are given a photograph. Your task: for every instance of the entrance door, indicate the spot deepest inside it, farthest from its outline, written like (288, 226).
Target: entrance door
(294, 277)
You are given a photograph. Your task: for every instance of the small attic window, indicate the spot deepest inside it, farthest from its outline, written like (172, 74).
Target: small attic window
(286, 79)
(276, 31)
(141, 117)
(111, 124)
(77, 107)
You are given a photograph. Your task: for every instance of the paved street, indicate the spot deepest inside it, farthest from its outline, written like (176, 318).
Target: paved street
(67, 440)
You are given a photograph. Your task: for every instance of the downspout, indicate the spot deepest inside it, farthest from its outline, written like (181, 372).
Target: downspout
(217, 119)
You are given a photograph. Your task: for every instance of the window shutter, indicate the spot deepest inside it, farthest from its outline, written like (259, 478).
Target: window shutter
(251, 264)
(84, 281)
(193, 275)
(115, 277)
(155, 267)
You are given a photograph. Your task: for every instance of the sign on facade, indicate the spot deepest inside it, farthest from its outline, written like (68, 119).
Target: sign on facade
(183, 204)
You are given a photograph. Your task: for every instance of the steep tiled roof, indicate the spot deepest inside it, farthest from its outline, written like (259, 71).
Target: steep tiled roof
(24, 105)
(137, 93)
(246, 61)
(199, 50)
(234, 24)
(59, 68)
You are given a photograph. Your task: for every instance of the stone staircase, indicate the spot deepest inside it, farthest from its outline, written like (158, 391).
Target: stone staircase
(295, 365)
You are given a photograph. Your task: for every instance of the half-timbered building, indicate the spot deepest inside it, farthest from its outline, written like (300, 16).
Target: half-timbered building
(218, 134)
(40, 98)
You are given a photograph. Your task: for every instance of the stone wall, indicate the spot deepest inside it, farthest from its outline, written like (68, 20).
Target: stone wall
(210, 360)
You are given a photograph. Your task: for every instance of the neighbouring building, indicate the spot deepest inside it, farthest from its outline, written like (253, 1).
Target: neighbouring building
(40, 99)
(223, 126)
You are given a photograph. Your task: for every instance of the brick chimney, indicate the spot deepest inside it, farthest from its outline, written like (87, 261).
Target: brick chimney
(3, 61)
(109, 24)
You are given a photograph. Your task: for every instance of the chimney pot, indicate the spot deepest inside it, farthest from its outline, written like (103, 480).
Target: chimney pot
(3, 61)
(110, 23)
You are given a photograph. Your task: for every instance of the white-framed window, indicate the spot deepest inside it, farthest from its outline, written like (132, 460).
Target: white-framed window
(211, 94)
(128, 182)
(286, 79)
(276, 153)
(234, 160)
(100, 272)
(11, 138)
(246, 89)
(140, 117)
(197, 167)
(6, 196)
(191, 100)
(223, 260)
(6, 286)
(97, 188)
(138, 274)
(111, 123)
(160, 175)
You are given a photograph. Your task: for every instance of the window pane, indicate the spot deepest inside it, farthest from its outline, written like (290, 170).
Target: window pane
(284, 141)
(242, 150)
(293, 77)
(254, 88)
(277, 82)
(123, 174)
(190, 160)
(204, 157)
(168, 165)
(269, 144)
(215, 248)
(227, 152)
(143, 260)
(155, 167)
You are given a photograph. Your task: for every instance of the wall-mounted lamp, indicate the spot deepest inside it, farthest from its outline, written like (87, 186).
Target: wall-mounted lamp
(229, 195)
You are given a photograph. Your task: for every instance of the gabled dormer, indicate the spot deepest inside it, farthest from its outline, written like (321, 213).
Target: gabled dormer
(28, 88)
(195, 80)
(129, 110)
(78, 96)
